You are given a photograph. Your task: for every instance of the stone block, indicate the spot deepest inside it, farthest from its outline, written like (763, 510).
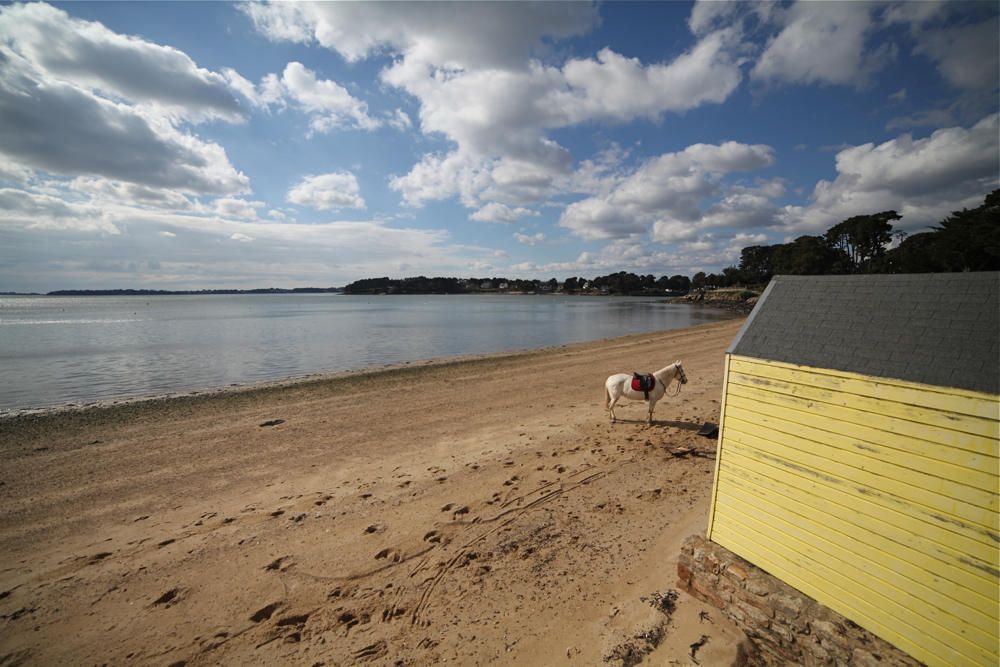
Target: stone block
(790, 606)
(737, 571)
(831, 632)
(862, 658)
(711, 563)
(755, 614)
(759, 604)
(706, 593)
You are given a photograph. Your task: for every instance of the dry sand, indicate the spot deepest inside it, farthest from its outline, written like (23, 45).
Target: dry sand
(480, 511)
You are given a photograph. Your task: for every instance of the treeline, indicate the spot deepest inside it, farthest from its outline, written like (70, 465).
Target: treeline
(967, 240)
(159, 292)
(615, 283)
(964, 241)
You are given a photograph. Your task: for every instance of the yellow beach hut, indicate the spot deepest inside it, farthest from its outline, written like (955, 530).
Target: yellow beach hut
(858, 454)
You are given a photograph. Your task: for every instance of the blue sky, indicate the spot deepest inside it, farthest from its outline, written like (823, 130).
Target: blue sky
(207, 145)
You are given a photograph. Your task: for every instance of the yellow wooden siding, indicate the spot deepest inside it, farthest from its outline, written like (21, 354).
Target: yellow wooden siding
(879, 498)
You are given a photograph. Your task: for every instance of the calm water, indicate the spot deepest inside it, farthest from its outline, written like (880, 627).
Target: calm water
(60, 350)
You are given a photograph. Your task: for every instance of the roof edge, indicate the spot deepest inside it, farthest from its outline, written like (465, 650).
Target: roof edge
(753, 314)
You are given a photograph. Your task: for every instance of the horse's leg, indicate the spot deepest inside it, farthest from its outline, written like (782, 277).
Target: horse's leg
(652, 406)
(612, 398)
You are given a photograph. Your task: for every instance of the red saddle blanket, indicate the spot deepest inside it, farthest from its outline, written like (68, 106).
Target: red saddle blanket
(643, 382)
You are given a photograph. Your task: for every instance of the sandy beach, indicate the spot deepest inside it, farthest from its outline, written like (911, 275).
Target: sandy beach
(474, 511)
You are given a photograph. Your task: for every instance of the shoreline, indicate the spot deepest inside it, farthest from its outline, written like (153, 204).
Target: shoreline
(476, 510)
(219, 392)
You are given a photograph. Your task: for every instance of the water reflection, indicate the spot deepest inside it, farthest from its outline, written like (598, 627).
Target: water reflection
(57, 350)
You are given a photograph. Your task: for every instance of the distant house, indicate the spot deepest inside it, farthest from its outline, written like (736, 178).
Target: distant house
(605, 289)
(487, 285)
(504, 286)
(858, 454)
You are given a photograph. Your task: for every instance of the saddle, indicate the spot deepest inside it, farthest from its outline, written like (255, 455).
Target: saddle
(643, 383)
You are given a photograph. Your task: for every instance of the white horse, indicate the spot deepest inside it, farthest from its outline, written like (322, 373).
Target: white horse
(621, 385)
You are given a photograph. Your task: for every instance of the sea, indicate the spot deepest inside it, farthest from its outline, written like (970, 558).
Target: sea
(79, 350)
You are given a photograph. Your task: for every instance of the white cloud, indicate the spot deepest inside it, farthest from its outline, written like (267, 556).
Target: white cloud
(399, 120)
(923, 180)
(92, 57)
(328, 104)
(957, 48)
(823, 42)
(198, 251)
(530, 240)
(79, 100)
(667, 193)
(328, 191)
(597, 219)
(471, 67)
(620, 88)
(452, 34)
(495, 212)
(230, 207)
(102, 189)
(20, 210)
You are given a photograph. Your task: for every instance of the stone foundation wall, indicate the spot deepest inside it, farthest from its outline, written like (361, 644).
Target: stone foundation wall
(787, 626)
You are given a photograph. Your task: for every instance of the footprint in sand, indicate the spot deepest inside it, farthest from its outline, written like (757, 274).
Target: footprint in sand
(281, 564)
(265, 613)
(389, 554)
(432, 536)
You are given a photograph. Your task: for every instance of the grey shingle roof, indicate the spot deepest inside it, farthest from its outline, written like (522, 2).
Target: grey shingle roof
(935, 328)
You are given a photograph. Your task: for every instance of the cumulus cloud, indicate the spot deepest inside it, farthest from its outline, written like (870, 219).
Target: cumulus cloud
(89, 55)
(530, 240)
(327, 103)
(230, 207)
(923, 179)
(665, 195)
(328, 191)
(473, 67)
(825, 42)
(459, 35)
(496, 212)
(132, 194)
(79, 100)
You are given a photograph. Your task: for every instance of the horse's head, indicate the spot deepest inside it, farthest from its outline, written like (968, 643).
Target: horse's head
(680, 373)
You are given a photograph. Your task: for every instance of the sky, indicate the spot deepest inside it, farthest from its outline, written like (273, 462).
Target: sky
(218, 145)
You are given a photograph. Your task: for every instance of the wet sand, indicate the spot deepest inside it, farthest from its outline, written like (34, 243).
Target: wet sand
(475, 511)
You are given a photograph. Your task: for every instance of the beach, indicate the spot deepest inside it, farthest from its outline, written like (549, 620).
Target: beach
(476, 511)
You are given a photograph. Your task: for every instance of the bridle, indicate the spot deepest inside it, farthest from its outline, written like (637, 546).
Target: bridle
(682, 379)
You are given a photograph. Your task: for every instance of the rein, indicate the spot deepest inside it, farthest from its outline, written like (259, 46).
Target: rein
(679, 382)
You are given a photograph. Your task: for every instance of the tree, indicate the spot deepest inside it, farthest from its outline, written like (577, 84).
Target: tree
(679, 283)
(863, 239)
(699, 280)
(731, 276)
(757, 263)
(970, 240)
(806, 256)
